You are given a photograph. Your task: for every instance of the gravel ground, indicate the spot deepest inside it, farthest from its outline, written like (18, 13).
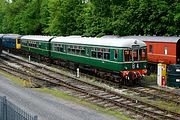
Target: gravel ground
(46, 106)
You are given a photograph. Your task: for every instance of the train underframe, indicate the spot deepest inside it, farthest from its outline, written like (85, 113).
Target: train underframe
(129, 78)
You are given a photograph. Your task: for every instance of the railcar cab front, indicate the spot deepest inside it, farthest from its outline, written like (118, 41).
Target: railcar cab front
(133, 55)
(178, 52)
(11, 43)
(135, 59)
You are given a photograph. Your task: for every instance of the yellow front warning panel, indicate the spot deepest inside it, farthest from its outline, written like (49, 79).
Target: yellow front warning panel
(18, 44)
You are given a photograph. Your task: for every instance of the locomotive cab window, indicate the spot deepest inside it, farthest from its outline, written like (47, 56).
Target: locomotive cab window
(18, 41)
(135, 55)
(143, 54)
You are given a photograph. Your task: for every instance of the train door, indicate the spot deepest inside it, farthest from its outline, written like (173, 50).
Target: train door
(178, 52)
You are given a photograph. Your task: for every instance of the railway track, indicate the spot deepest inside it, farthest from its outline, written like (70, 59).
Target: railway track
(157, 93)
(92, 93)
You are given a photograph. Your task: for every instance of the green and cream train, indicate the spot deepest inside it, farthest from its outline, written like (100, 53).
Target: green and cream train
(122, 60)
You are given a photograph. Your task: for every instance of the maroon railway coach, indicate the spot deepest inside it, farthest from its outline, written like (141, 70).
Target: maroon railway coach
(162, 49)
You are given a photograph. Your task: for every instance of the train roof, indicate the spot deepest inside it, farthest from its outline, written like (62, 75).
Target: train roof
(172, 39)
(1, 35)
(14, 36)
(37, 37)
(120, 42)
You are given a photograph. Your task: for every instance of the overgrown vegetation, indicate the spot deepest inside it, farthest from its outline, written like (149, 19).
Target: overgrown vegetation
(90, 17)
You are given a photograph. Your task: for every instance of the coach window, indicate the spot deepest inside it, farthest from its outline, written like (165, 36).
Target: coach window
(61, 48)
(150, 48)
(83, 51)
(165, 50)
(55, 47)
(68, 49)
(127, 55)
(115, 54)
(93, 50)
(100, 53)
(78, 50)
(106, 54)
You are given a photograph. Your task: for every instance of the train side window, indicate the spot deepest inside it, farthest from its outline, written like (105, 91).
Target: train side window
(73, 50)
(127, 55)
(83, 51)
(61, 48)
(93, 50)
(150, 48)
(100, 53)
(115, 54)
(165, 50)
(78, 50)
(106, 54)
(68, 49)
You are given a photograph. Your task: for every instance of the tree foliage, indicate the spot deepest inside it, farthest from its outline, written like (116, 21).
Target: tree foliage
(90, 17)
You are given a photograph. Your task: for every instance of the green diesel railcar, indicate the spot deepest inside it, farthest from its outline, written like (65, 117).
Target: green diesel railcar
(110, 54)
(39, 45)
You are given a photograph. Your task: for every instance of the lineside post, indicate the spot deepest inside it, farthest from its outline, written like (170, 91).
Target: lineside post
(77, 74)
(29, 58)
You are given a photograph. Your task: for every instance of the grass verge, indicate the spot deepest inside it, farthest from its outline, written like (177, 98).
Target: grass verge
(15, 79)
(65, 96)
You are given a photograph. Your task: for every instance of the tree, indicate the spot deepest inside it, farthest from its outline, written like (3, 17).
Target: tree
(63, 16)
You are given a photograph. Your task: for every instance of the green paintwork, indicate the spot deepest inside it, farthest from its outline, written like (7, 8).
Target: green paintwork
(105, 64)
(112, 64)
(41, 49)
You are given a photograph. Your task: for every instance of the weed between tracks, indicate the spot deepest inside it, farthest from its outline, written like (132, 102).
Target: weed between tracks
(67, 97)
(157, 102)
(150, 80)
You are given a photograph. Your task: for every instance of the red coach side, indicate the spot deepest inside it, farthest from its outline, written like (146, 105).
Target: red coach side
(161, 52)
(161, 49)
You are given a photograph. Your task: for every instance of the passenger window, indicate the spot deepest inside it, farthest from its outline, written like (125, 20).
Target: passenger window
(150, 48)
(100, 53)
(106, 54)
(115, 54)
(78, 50)
(93, 50)
(165, 50)
(127, 55)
